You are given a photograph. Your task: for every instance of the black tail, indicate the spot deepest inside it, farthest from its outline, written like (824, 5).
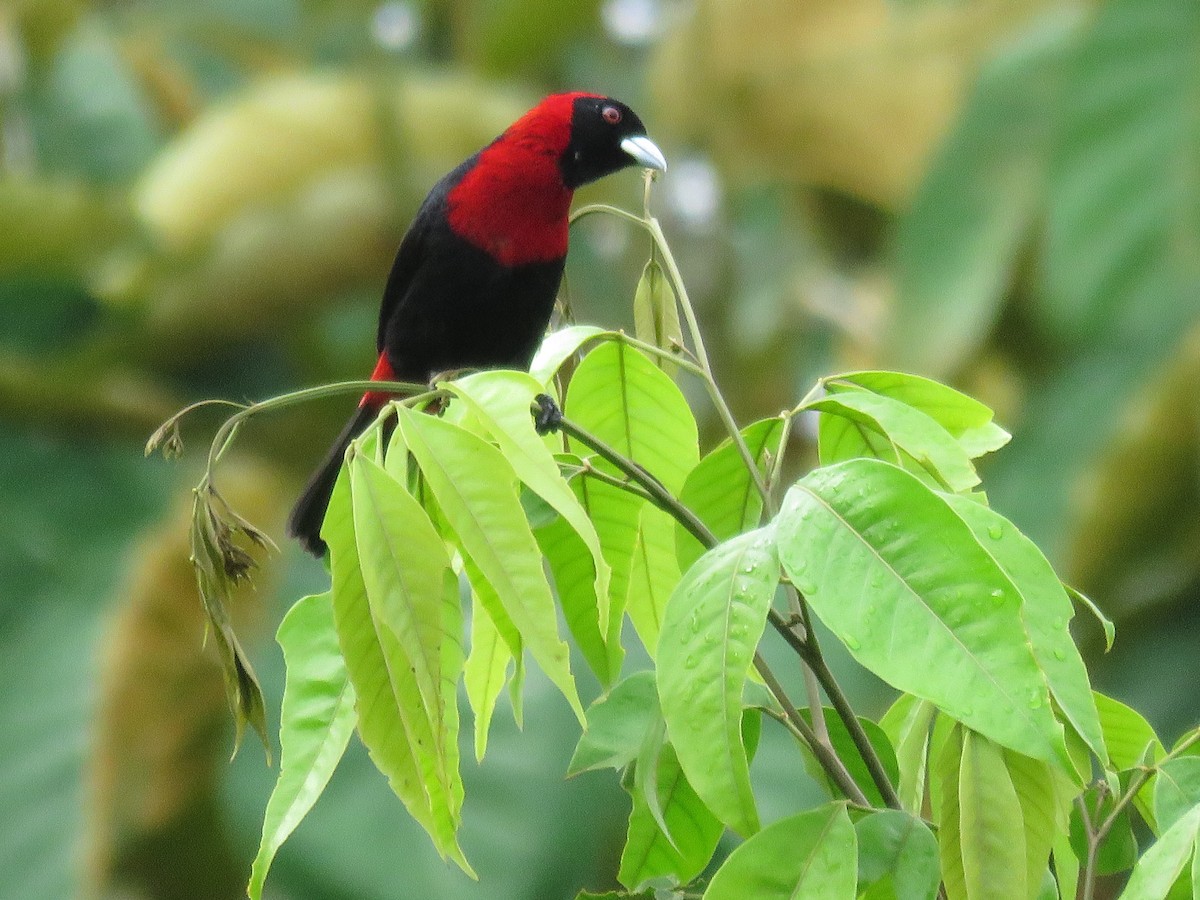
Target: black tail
(304, 523)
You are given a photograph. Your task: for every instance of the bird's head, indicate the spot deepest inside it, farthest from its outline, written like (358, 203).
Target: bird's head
(591, 136)
(606, 135)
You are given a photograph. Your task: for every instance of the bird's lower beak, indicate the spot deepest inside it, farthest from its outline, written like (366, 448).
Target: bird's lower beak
(644, 152)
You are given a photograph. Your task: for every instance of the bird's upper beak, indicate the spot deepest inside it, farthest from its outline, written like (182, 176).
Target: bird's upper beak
(644, 152)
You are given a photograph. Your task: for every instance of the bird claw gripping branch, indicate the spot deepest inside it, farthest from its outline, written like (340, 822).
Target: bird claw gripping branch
(547, 416)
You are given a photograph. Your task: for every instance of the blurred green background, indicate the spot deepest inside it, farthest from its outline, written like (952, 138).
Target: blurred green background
(201, 198)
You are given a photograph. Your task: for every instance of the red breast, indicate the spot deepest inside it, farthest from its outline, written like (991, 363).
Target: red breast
(513, 203)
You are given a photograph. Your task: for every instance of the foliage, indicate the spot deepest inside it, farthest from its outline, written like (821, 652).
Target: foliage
(203, 198)
(968, 787)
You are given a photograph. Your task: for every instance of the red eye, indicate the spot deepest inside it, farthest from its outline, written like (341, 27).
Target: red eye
(611, 115)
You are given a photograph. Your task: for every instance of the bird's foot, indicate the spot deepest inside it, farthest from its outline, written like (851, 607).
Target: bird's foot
(548, 416)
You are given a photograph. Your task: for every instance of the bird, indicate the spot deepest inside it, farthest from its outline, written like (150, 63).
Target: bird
(477, 273)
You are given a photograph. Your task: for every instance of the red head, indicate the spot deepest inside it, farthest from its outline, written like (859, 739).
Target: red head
(514, 201)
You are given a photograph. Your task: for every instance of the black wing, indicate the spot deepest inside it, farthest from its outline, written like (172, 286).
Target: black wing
(413, 247)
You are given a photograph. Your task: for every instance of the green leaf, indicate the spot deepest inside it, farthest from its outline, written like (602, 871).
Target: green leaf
(1045, 810)
(623, 399)
(485, 673)
(649, 853)
(812, 854)
(968, 421)
(857, 423)
(709, 636)
(558, 347)
(944, 771)
(1066, 867)
(1176, 789)
(1161, 865)
(901, 848)
(370, 652)
(991, 829)
(501, 401)
(959, 242)
(616, 515)
(574, 570)
(315, 724)
(413, 596)
(1110, 630)
(907, 726)
(1047, 611)
(476, 492)
(617, 724)
(1126, 733)
(720, 491)
(653, 573)
(656, 313)
(900, 578)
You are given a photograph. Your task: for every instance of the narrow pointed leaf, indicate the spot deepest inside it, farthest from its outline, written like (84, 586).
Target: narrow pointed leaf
(375, 665)
(1046, 610)
(501, 401)
(413, 594)
(991, 828)
(656, 313)
(710, 632)
(653, 574)
(1044, 812)
(476, 492)
(694, 831)
(1106, 624)
(484, 674)
(907, 726)
(813, 854)
(902, 580)
(944, 773)
(316, 721)
(574, 570)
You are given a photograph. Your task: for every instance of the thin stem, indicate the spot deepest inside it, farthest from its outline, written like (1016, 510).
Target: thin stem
(1093, 846)
(681, 294)
(809, 651)
(593, 208)
(657, 493)
(591, 471)
(829, 760)
(226, 432)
